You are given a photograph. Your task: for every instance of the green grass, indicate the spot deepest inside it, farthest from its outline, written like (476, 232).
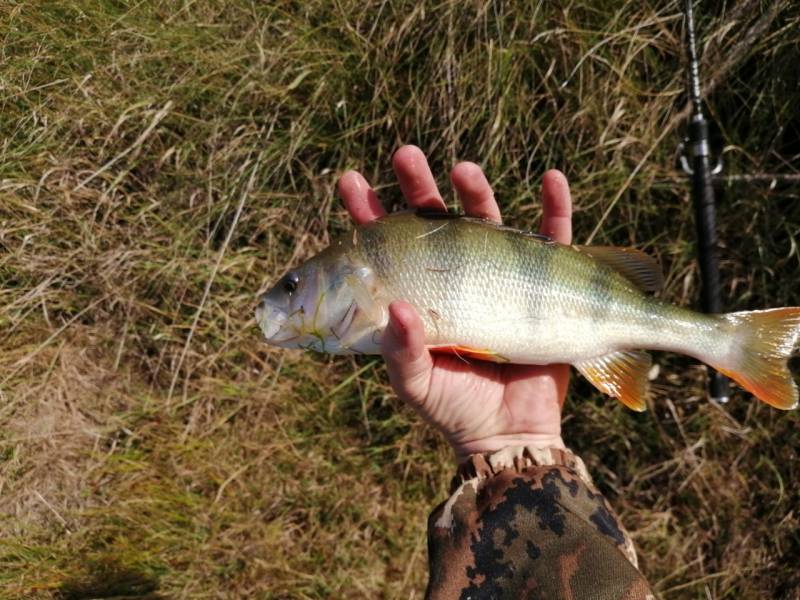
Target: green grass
(152, 446)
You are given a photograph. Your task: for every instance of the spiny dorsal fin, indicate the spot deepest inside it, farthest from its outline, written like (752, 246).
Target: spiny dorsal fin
(620, 374)
(437, 214)
(637, 267)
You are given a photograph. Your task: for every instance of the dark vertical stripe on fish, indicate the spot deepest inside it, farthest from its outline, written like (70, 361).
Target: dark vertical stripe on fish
(601, 287)
(534, 257)
(441, 252)
(371, 243)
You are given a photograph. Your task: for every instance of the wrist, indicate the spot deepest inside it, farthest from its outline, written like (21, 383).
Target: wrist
(541, 441)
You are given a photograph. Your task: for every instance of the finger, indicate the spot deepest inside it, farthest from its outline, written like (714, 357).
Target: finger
(474, 191)
(557, 223)
(359, 199)
(408, 361)
(559, 376)
(416, 180)
(557, 217)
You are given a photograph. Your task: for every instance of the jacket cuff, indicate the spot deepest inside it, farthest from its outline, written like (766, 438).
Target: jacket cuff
(478, 467)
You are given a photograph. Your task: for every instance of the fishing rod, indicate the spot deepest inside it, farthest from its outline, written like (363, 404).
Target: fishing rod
(698, 166)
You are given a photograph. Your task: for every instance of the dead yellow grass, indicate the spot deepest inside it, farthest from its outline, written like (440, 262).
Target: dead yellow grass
(161, 163)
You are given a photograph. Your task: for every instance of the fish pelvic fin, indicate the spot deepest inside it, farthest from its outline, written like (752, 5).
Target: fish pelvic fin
(637, 267)
(766, 340)
(470, 352)
(622, 375)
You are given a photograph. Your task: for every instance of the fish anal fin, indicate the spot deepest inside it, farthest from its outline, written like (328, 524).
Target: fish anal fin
(470, 352)
(637, 267)
(622, 375)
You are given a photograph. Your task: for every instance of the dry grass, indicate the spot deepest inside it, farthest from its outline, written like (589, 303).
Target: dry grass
(162, 162)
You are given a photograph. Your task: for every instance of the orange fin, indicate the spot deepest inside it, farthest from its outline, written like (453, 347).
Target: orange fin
(620, 374)
(637, 267)
(767, 338)
(469, 352)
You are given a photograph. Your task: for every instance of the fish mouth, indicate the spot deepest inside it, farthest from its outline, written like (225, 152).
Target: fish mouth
(270, 320)
(278, 328)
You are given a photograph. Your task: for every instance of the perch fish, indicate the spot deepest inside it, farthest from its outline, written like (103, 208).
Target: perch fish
(490, 292)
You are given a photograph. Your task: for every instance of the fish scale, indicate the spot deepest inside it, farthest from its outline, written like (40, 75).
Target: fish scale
(528, 290)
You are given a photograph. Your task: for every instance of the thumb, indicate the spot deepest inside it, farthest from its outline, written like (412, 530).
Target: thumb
(408, 361)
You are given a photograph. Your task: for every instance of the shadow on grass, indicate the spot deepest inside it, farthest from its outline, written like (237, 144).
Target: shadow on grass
(109, 579)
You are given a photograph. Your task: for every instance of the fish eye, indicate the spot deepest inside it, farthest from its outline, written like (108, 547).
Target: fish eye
(290, 283)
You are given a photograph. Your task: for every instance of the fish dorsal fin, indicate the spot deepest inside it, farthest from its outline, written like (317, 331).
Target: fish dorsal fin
(620, 374)
(637, 267)
(435, 214)
(500, 227)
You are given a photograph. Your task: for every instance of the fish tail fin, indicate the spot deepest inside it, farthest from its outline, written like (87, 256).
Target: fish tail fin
(766, 339)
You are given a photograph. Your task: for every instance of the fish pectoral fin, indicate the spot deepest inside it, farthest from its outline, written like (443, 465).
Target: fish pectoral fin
(622, 375)
(637, 267)
(366, 316)
(370, 307)
(469, 352)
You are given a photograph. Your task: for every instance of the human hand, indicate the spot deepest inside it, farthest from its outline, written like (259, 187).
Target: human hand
(479, 406)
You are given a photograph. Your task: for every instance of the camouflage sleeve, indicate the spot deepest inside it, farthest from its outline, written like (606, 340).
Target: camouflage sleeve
(528, 523)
